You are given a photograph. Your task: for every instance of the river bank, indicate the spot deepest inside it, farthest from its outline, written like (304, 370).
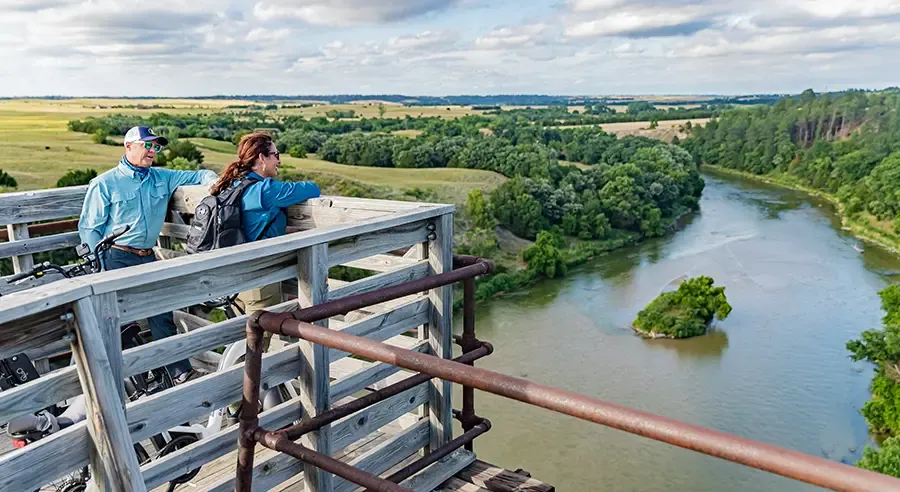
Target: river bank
(776, 370)
(862, 227)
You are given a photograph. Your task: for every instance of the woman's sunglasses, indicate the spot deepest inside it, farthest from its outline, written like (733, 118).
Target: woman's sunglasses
(150, 145)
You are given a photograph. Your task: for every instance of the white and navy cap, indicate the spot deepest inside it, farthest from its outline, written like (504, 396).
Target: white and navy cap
(144, 133)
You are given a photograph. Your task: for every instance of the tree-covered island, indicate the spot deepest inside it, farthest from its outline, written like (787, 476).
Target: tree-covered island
(685, 312)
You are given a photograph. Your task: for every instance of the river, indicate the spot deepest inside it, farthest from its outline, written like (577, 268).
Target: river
(776, 370)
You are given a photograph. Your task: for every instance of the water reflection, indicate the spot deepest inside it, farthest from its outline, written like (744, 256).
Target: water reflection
(709, 346)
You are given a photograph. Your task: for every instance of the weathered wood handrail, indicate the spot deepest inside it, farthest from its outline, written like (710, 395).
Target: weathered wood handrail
(336, 231)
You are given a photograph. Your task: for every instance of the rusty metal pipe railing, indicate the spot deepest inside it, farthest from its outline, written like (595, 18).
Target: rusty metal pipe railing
(467, 343)
(249, 416)
(780, 461)
(474, 267)
(411, 469)
(250, 432)
(295, 431)
(372, 482)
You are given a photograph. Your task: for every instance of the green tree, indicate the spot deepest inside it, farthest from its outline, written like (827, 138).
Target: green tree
(76, 177)
(544, 256)
(687, 311)
(381, 110)
(297, 151)
(179, 148)
(181, 164)
(886, 459)
(100, 136)
(479, 209)
(7, 181)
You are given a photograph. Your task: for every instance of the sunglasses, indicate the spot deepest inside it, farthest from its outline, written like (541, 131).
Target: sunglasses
(150, 145)
(276, 154)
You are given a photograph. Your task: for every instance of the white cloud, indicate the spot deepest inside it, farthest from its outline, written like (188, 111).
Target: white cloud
(173, 47)
(512, 37)
(346, 12)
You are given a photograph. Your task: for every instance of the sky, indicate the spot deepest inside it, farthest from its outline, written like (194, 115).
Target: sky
(445, 47)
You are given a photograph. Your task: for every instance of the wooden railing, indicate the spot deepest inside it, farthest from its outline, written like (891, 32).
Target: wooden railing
(86, 313)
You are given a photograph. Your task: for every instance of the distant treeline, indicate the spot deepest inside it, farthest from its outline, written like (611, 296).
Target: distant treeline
(848, 146)
(601, 114)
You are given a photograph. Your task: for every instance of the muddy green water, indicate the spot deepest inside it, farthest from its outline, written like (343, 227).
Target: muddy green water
(776, 370)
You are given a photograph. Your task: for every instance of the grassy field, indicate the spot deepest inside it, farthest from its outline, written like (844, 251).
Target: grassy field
(38, 149)
(665, 131)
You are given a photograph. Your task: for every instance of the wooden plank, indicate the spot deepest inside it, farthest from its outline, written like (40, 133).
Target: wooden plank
(18, 233)
(55, 456)
(110, 332)
(381, 263)
(40, 205)
(281, 471)
(360, 246)
(32, 332)
(27, 246)
(63, 384)
(456, 485)
(199, 397)
(105, 414)
(166, 254)
(159, 297)
(312, 286)
(497, 479)
(354, 427)
(377, 204)
(279, 466)
(175, 231)
(160, 471)
(125, 278)
(383, 326)
(366, 376)
(23, 303)
(436, 474)
(387, 454)
(152, 272)
(308, 217)
(30, 283)
(188, 322)
(440, 329)
(387, 279)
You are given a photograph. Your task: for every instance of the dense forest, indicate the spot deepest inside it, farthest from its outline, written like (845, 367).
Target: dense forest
(882, 347)
(846, 146)
(684, 312)
(627, 189)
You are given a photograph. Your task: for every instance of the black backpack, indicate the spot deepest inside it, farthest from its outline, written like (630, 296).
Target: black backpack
(217, 220)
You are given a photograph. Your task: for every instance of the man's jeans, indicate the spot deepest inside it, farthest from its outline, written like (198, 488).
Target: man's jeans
(161, 325)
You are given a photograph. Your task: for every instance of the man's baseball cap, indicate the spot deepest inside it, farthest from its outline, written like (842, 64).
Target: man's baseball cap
(144, 133)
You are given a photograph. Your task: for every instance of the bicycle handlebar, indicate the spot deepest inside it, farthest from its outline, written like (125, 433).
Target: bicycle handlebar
(115, 234)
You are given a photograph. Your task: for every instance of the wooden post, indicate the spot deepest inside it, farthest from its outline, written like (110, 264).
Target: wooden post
(440, 330)
(102, 389)
(315, 378)
(19, 232)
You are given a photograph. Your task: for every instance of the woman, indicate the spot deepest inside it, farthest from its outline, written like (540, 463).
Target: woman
(262, 204)
(262, 216)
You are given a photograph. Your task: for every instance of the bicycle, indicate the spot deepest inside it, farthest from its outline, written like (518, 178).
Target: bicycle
(18, 370)
(136, 386)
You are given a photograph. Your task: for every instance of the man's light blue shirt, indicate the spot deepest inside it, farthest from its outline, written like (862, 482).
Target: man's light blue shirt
(120, 197)
(263, 202)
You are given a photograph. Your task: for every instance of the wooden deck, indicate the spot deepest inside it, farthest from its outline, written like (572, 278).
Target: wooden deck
(475, 475)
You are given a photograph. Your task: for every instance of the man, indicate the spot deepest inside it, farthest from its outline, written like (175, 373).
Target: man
(136, 194)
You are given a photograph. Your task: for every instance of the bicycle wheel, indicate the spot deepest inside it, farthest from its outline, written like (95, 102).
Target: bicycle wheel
(182, 441)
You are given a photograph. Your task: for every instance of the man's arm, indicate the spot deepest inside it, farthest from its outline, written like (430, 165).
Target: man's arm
(94, 215)
(183, 178)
